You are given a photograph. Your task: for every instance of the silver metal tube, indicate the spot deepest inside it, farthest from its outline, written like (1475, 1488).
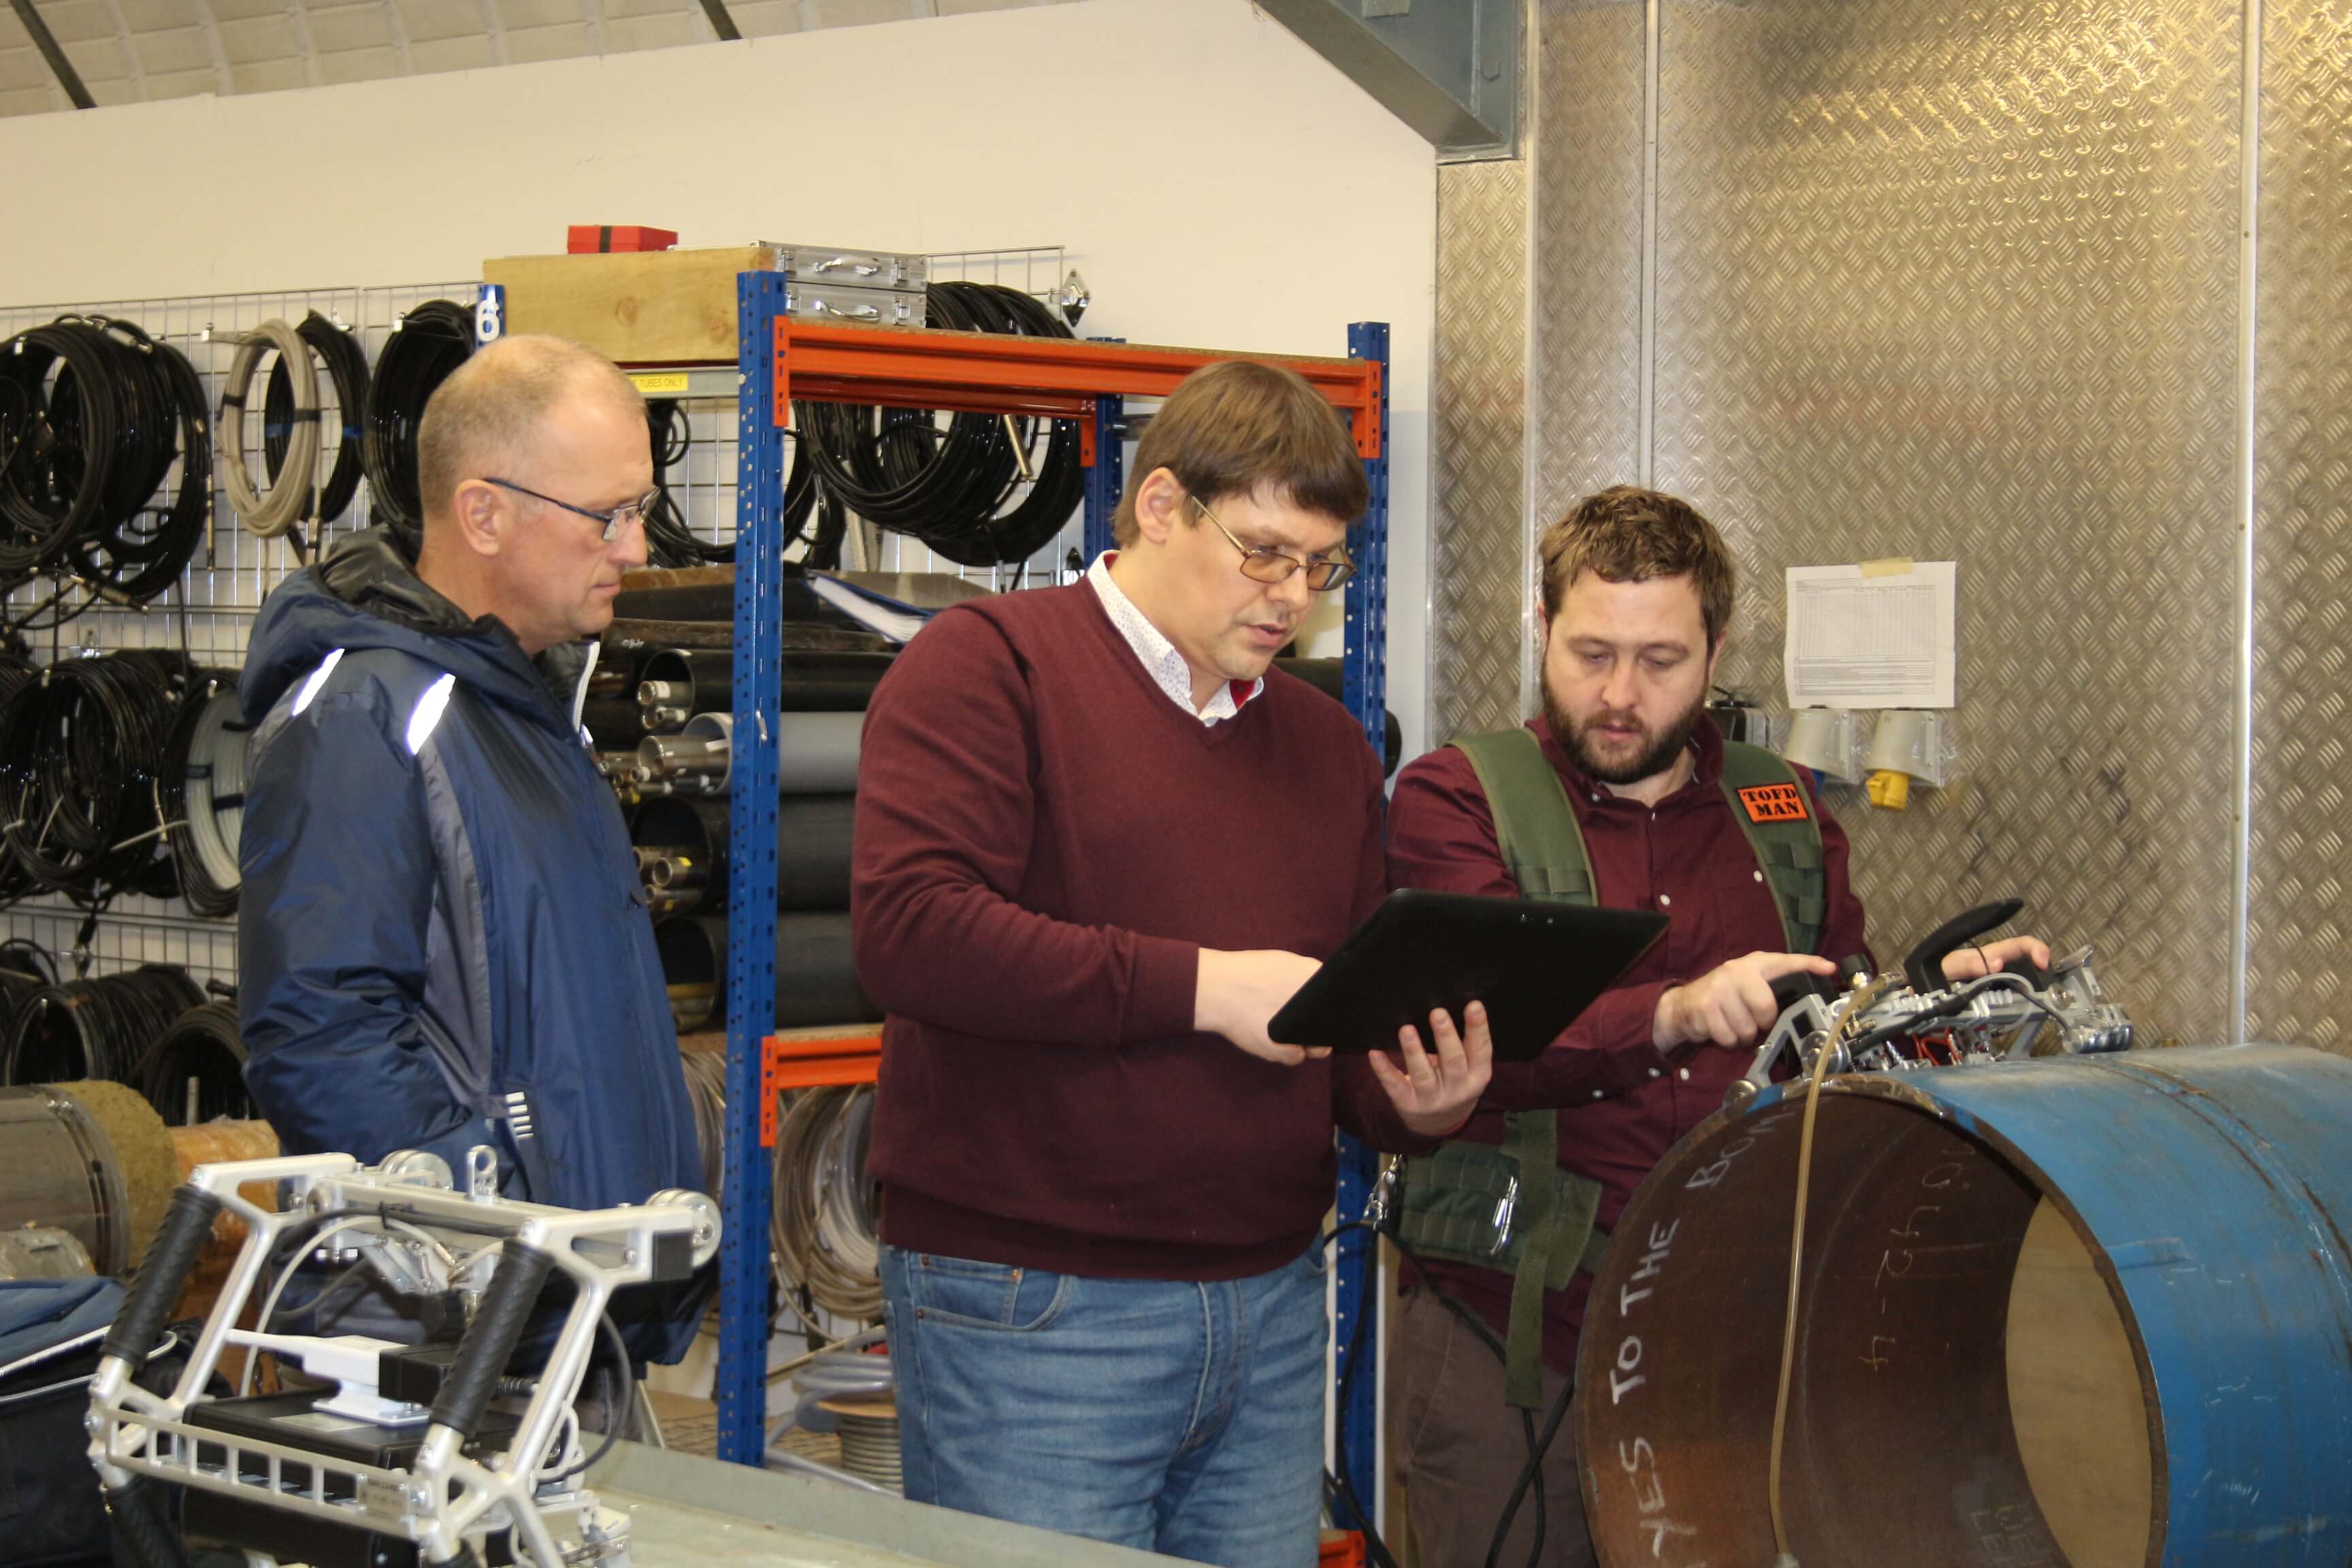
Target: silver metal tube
(2241, 799)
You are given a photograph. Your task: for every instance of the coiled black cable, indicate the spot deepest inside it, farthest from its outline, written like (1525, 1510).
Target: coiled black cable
(26, 968)
(94, 414)
(670, 543)
(901, 469)
(347, 370)
(202, 1048)
(99, 1028)
(15, 672)
(433, 339)
(83, 747)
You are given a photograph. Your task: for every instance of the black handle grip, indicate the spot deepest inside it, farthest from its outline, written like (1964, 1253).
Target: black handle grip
(2033, 974)
(489, 1342)
(187, 1226)
(1789, 989)
(1924, 966)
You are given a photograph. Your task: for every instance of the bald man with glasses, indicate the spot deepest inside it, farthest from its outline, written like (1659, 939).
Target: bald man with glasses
(442, 935)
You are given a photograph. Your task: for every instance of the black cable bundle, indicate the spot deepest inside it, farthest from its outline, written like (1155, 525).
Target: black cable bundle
(898, 469)
(433, 339)
(96, 1028)
(347, 368)
(83, 747)
(27, 969)
(16, 673)
(202, 1044)
(93, 415)
(670, 543)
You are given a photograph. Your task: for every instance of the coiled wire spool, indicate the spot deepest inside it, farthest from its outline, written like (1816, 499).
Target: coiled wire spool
(194, 1071)
(432, 341)
(95, 1028)
(83, 751)
(204, 794)
(268, 517)
(706, 1091)
(94, 417)
(347, 372)
(824, 1225)
(869, 1425)
(901, 469)
(25, 969)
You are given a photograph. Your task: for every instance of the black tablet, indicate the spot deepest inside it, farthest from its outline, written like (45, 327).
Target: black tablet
(1534, 965)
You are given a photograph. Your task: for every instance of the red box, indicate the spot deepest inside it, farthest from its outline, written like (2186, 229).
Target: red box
(591, 239)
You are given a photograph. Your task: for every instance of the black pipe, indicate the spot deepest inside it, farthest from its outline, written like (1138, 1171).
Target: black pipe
(816, 982)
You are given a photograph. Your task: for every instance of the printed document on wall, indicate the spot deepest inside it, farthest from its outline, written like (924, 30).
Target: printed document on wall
(1880, 635)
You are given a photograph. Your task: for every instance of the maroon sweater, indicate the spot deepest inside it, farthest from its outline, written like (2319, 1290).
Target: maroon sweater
(1623, 1103)
(1044, 842)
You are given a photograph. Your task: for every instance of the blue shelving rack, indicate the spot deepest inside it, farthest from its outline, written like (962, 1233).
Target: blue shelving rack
(1060, 371)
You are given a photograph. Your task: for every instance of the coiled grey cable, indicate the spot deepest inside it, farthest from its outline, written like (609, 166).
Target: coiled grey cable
(270, 517)
(823, 1226)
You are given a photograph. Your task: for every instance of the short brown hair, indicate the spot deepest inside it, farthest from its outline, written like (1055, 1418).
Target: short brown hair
(1626, 534)
(1239, 426)
(485, 414)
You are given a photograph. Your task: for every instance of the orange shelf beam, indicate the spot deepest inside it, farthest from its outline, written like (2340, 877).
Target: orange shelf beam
(789, 1063)
(984, 372)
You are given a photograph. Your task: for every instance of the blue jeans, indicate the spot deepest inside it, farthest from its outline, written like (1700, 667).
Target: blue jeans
(1174, 1417)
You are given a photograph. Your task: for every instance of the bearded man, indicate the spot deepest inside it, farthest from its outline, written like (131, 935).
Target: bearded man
(1621, 793)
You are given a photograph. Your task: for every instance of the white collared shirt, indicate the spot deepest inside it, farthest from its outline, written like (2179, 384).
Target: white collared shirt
(1162, 660)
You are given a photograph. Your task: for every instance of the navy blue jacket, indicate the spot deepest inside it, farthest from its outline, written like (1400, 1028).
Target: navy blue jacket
(442, 935)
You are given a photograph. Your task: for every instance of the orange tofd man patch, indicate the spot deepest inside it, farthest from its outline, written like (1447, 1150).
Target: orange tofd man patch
(1774, 803)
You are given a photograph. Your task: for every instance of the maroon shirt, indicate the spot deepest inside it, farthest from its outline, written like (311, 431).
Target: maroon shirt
(1623, 1103)
(1044, 842)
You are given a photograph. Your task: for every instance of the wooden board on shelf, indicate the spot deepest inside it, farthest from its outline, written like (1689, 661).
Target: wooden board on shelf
(660, 306)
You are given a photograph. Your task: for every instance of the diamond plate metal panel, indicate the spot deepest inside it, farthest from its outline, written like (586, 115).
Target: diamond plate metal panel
(1961, 282)
(1587, 190)
(1477, 534)
(2303, 536)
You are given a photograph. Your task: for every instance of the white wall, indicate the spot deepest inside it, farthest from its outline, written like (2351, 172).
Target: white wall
(1218, 184)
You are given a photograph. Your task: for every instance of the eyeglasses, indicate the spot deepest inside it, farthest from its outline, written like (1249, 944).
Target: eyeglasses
(614, 520)
(1265, 563)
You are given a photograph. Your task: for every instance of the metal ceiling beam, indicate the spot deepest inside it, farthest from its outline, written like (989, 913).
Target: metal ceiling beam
(496, 27)
(224, 79)
(722, 22)
(397, 24)
(59, 67)
(300, 20)
(133, 67)
(1448, 69)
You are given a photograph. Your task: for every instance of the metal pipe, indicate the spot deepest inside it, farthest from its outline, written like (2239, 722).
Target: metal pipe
(60, 66)
(2242, 784)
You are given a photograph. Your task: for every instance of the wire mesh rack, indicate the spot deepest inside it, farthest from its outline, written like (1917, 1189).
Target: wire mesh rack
(702, 483)
(209, 614)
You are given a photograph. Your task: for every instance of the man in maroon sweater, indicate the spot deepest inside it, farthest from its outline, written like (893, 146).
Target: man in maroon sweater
(1637, 595)
(1098, 844)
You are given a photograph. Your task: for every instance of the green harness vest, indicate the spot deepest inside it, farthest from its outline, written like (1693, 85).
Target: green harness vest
(1510, 1206)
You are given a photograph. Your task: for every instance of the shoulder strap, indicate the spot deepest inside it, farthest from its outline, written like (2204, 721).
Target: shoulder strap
(1773, 808)
(1535, 825)
(1537, 831)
